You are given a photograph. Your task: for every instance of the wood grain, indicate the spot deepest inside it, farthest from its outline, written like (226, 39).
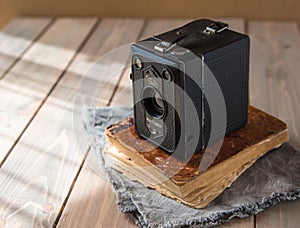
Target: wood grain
(36, 177)
(87, 199)
(274, 87)
(240, 223)
(92, 204)
(266, 10)
(283, 215)
(28, 84)
(16, 37)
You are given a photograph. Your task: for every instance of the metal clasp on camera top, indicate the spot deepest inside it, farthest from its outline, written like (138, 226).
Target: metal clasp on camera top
(215, 27)
(164, 46)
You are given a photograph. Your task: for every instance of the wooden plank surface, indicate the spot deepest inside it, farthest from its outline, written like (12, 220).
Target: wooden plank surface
(106, 37)
(16, 37)
(239, 223)
(36, 177)
(274, 87)
(283, 215)
(26, 86)
(92, 204)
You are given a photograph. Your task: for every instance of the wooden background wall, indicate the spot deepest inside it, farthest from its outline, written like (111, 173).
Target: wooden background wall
(249, 9)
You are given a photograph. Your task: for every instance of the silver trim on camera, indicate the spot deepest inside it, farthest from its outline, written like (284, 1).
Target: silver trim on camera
(216, 27)
(164, 46)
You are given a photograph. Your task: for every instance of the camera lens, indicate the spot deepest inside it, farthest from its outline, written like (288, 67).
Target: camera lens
(153, 102)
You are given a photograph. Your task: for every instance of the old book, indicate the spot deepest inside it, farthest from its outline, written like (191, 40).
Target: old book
(187, 183)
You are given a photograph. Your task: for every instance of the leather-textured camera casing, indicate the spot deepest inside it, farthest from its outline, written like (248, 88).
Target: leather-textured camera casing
(225, 53)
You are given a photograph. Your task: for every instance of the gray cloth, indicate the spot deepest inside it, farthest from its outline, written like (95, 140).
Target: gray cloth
(273, 178)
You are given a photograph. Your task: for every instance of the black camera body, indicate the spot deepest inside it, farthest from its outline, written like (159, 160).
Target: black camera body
(172, 75)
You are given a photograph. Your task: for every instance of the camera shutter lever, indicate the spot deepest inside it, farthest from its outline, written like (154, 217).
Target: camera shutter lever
(215, 27)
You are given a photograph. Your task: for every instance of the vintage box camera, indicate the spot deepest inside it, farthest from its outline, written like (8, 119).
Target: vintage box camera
(173, 75)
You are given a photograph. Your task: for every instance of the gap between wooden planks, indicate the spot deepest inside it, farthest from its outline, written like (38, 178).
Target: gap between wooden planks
(274, 87)
(33, 182)
(26, 86)
(16, 37)
(108, 30)
(99, 205)
(58, 153)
